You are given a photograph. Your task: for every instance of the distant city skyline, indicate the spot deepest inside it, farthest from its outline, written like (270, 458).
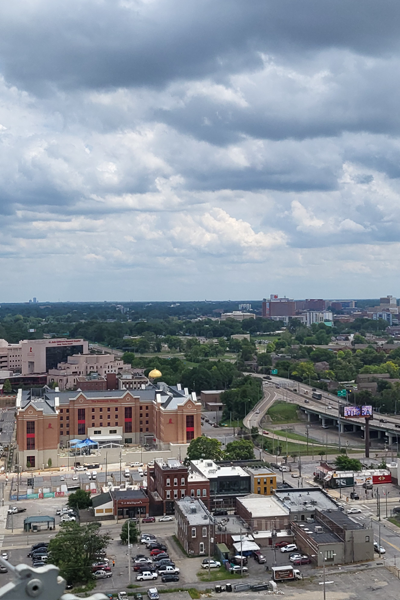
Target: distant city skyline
(155, 151)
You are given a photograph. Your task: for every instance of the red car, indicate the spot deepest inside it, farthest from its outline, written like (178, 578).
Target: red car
(156, 551)
(149, 520)
(101, 568)
(281, 544)
(304, 560)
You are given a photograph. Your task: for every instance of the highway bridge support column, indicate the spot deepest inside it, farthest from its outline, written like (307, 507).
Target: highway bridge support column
(366, 435)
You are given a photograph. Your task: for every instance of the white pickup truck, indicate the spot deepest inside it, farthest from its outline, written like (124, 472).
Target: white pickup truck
(168, 569)
(146, 576)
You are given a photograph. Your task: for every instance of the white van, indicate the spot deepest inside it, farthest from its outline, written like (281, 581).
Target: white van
(127, 473)
(284, 468)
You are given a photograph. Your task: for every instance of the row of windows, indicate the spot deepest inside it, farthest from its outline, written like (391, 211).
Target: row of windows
(183, 494)
(168, 481)
(271, 481)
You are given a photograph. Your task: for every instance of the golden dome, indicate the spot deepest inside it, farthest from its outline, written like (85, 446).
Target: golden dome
(155, 374)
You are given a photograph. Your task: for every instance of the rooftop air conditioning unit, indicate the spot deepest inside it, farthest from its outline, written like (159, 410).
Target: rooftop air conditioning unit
(318, 529)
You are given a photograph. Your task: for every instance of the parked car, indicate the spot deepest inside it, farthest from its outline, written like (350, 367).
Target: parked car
(145, 567)
(148, 520)
(354, 496)
(166, 577)
(281, 544)
(238, 569)
(353, 511)
(101, 574)
(102, 568)
(212, 564)
(153, 594)
(289, 548)
(260, 558)
(166, 518)
(141, 558)
(39, 550)
(147, 576)
(145, 538)
(136, 464)
(13, 510)
(122, 596)
(303, 560)
(164, 563)
(161, 556)
(156, 551)
(238, 559)
(68, 518)
(154, 544)
(3, 569)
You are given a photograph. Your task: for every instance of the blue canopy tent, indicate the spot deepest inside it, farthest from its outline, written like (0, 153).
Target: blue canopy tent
(84, 445)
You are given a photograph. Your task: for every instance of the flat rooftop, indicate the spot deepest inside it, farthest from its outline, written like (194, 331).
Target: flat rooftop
(211, 470)
(341, 519)
(300, 499)
(321, 537)
(195, 511)
(263, 506)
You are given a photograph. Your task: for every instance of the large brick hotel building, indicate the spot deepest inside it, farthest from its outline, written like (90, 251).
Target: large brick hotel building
(157, 413)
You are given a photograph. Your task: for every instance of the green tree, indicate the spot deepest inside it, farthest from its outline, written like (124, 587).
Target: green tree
(344, 463)
(128, 357)
(75, 548)
(204, 447)
(239, 450)
(7, 389)
(49, 463)
(254, 433)
(133, 532)
(80, 499)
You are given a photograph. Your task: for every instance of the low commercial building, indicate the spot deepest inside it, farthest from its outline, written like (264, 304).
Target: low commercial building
(226, 482)
(263, 480)
(103, 506)
(334, 539)
(302, 503)
(237, 315)
(171, 480)
(263, 513)
(130, 503)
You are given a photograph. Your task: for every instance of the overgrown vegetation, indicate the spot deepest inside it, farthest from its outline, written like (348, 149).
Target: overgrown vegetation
(282, 412)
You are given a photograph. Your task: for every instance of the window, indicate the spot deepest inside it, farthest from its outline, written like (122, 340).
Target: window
(128, 419)
(116, 409)
(147, 428)
(108, 424)
(147, 422)
(329, 555)
(147, 414)
(30, 427)
(31, 461)
(97, 432)
(258, 490)
(61, 410)
(81, 421)
(183, 481)
(201, 548)
(92, 409)
(204, 493)
(271, 481)
(258, 481)
(108, 409)
(93, 424)
(168, 482)
(112, 431)
(192, 493)
(141, 423)
(30, 443)
(193, 532)
(204, 532)
(198, 493)
(175, 481)
(141, 429)
(101, 410)
(182, 493)
(67, 417)
(367, 538)
(175, 494)
(67, 432)
(61, 418)
(67, 410)
(101, 424)
(168, 495)
(265, 490)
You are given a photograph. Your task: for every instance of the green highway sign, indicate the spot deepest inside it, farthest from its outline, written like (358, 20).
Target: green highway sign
(342, 393)
(274, 371)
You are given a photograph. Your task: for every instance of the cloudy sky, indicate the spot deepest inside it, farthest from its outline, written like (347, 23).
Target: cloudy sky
(191, 149)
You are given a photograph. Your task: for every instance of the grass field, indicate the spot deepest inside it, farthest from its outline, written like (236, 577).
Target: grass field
(282, 412)
(216, 575)
(293, 436)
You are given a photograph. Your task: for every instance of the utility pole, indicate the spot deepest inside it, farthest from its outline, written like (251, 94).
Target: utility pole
(129, 551)
(120, 468)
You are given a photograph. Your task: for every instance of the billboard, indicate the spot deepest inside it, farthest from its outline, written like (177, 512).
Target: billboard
(349, 412)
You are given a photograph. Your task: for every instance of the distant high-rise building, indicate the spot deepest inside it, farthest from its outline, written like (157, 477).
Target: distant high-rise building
(388, 301)
(265, 308)
(315, 304)
(244, 306)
